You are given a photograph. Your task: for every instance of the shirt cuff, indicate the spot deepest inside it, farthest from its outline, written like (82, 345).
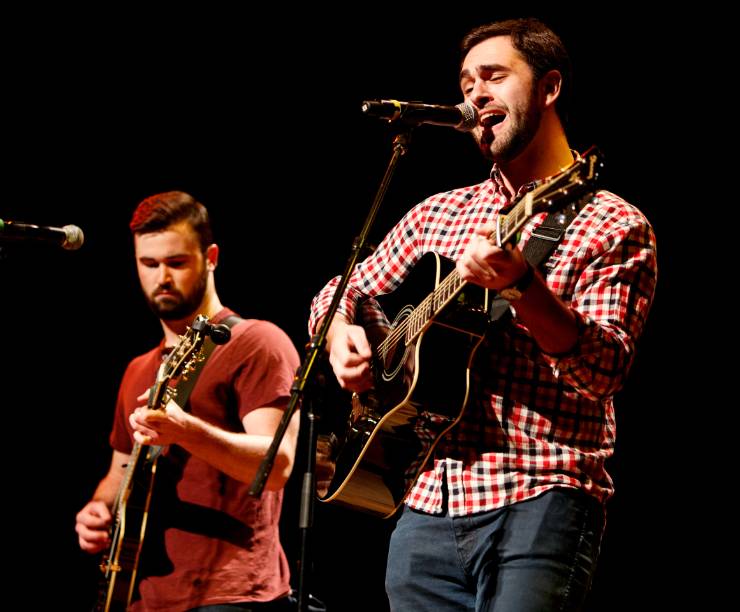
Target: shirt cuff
(587, 343)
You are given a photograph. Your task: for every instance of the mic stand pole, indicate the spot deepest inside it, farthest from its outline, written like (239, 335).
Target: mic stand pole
(314, 350)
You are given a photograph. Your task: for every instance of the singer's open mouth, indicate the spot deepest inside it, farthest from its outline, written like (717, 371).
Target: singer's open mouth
(492, 119)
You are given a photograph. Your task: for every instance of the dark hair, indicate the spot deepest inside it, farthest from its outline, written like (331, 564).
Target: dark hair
(541, 48)
(161, 210)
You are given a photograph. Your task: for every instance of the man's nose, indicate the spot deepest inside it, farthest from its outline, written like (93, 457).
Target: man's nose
(164, 275)
(480, 96)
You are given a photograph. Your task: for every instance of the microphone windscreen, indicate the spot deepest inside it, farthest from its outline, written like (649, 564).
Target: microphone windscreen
(74, 237)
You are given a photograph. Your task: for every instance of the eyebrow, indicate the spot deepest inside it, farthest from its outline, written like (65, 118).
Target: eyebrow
(485, 67)
(168, 258)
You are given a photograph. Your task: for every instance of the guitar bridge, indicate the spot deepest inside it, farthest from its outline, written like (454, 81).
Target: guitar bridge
(365, 414)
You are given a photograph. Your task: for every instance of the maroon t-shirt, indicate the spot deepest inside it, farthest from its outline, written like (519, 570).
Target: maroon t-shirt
(208, 541)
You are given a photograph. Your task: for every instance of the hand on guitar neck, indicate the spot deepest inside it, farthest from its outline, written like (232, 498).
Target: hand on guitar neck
(548, 319)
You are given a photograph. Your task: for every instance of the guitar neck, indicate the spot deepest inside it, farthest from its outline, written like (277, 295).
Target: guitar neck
(157, 400)
(133, 498)
(509, 225)
(564, 187)
(431, 306)
(125, 486)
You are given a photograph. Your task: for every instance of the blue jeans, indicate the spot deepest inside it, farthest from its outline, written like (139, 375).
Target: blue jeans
(534, 556)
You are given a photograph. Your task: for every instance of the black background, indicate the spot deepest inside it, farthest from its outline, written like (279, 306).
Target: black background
(259, 118)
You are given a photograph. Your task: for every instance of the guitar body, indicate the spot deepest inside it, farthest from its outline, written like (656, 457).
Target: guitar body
(121, 563)
(391, 431)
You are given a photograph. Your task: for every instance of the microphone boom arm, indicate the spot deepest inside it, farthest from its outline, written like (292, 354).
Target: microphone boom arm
(314, 351)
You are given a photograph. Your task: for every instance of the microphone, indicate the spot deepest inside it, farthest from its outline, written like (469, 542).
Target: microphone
(69, 237)
(463, 117)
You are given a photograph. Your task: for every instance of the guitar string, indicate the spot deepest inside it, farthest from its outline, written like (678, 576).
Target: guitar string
(417, 315)
(444, 289)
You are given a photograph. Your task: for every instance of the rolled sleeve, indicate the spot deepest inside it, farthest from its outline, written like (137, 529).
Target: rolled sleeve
(611, 302)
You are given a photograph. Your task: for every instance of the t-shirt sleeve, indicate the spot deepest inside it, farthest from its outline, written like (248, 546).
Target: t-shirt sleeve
(138, 377)
(120, 435)
(266, 374)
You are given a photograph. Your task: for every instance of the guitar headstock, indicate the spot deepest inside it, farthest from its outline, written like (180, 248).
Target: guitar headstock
(563, 188)
(185, 356)
(566, 186)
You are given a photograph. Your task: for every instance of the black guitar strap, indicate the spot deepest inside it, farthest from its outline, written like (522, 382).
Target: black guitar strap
(542, 243)
(185, 385)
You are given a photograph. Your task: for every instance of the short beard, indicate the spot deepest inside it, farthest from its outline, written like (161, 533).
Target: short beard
(518, 141)
(519, 138)
(182, 308)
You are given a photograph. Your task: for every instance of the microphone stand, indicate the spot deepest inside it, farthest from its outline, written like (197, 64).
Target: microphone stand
(315, 349)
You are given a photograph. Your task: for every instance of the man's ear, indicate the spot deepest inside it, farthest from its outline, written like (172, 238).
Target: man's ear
(212, 257)
(550, 85)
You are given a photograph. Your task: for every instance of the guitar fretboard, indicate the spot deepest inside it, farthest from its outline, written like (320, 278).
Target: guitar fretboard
(565, 185)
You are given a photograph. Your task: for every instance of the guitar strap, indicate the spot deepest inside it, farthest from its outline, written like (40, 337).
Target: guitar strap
(541, 244)
(185, 385)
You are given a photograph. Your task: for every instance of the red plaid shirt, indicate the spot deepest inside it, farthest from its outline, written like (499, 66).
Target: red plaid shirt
(533, 421)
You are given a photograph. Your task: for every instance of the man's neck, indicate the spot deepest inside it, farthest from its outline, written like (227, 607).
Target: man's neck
(547, 155)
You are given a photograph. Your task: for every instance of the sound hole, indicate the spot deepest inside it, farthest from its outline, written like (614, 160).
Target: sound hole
(394, 351)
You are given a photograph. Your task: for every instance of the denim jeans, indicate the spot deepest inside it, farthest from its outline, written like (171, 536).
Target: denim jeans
(533, 556)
